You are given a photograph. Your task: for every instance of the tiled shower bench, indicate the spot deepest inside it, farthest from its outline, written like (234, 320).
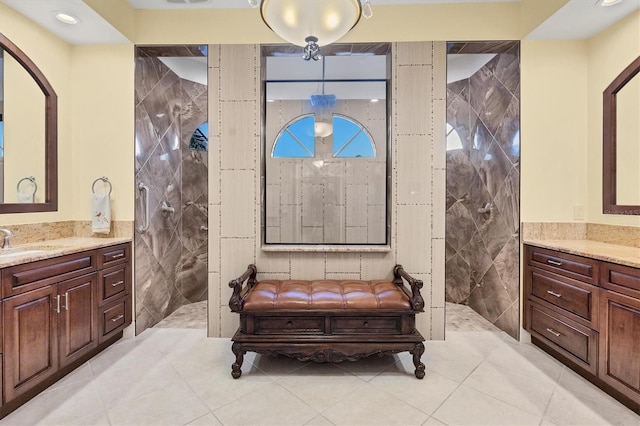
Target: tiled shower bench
(327, 320)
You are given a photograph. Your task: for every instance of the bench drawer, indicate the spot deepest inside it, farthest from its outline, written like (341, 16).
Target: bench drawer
(288, 325)
(365, 325)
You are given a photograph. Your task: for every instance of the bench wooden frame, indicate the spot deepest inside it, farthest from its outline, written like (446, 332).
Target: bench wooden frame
(327, 335)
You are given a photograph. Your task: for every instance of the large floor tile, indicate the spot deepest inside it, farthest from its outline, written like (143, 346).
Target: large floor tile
(370, 367)
(527, 359)
(467, 406)
(124, 384)
(175, 404)
(321, 385)
(206, 420)
(426, 395)
(217, 388)
(372, 406)
(269, 405)
(521, 389)
(75, 404)
(587, 408)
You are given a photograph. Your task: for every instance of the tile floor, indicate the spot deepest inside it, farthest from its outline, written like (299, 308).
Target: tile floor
(179, 377)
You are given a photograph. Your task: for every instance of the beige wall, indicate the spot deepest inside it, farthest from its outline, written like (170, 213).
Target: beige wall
(103, 122)
(609, 53)
(553, 130)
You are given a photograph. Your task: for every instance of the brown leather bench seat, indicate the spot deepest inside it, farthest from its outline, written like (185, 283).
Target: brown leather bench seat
(327, 320)
(325, 294)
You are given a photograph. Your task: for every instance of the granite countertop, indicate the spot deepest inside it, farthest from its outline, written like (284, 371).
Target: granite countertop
(614, 253)
(30, 252)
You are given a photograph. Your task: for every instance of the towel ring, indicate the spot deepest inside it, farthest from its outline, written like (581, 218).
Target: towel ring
(105, 180)
(33, 181)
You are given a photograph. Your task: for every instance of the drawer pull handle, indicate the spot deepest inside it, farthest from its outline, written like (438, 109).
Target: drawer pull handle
(555, 333)
(117, 284)
(117, 256)
(118, 318)
(553, 293)
(366, 324)
(66, 300)
(289, 323)
(554, 262)
(58, 304)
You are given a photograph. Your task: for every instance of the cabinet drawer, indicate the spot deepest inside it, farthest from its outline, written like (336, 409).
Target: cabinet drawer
(114, 255)
(365, 325)
(568, 265)
(622, 279)
(289, 325)
(577, 342)
(30, 276)
(114, 317)
(113, 282)
(573, 297)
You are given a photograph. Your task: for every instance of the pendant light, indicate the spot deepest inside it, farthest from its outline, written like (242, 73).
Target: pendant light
(311, 23)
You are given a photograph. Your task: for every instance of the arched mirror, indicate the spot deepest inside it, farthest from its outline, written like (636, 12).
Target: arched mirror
(29, 126)
(621, 143)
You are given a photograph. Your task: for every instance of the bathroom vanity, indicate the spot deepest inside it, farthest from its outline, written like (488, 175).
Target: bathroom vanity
(582, 305)
(61, 305)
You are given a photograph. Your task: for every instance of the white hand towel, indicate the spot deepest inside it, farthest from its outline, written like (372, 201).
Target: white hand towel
(100, 214)
(25, 198)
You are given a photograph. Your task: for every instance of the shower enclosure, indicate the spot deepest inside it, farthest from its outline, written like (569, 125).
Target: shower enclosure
(483, 180)
(171, 177)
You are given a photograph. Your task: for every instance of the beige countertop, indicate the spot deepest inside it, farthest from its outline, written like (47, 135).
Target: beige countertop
(623, 255)
(25, 253)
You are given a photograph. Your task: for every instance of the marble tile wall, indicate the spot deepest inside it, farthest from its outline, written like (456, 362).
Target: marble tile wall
(326, 200)
(482, 248)
(171, 257)
(418, 155)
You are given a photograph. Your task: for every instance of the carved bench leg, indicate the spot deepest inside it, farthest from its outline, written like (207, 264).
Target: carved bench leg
(417, 353)
(239, 352)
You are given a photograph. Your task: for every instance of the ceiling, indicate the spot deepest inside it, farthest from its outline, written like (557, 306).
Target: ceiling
(578, 19)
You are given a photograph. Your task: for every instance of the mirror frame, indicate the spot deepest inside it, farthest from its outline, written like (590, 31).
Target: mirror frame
(51, 135)
(609, 167)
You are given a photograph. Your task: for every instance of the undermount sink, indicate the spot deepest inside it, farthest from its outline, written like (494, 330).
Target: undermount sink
(17, 251)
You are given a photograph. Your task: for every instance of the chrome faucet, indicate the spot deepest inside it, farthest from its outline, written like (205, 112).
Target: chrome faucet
(7, 236)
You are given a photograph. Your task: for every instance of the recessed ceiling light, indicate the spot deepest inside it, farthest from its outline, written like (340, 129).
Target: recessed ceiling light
(67, 18)
(374, 100)
(605, 3)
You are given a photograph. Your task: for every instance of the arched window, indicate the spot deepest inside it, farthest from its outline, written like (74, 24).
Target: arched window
(296, 139)
(453, 138)
(199, 140)
(351, 139)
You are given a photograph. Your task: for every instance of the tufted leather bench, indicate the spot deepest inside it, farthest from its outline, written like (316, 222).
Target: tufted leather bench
(327, 320)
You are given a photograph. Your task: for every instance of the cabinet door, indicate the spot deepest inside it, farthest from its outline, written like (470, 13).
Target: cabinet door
(620, 343)
(30, 349)
(78, 319)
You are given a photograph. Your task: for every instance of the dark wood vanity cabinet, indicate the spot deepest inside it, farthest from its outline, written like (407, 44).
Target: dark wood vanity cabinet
(52, 317)
(586, 313)
(620, 331)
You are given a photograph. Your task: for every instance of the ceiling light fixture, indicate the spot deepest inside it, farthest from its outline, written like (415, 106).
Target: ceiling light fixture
(311, 24)
(67, 18)
(606, 3)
